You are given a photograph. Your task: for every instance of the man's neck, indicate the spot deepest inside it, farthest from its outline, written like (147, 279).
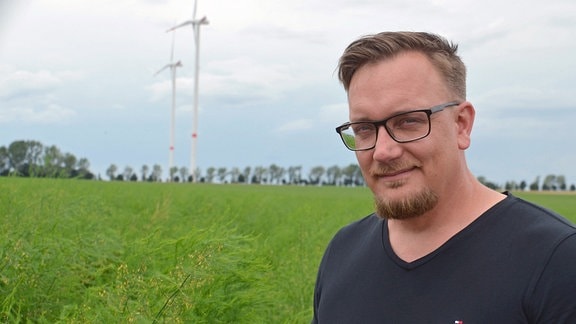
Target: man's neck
(415, 238)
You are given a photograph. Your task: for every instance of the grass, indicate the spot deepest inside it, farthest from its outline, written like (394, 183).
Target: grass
(78, 251)
(93, 252)
(563, 203)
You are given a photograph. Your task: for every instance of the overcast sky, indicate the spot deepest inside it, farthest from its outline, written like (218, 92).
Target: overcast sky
(79, 74)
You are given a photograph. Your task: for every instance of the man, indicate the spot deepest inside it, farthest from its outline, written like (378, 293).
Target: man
(441, 247)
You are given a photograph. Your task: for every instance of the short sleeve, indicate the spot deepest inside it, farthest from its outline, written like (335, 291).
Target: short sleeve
(553, 298)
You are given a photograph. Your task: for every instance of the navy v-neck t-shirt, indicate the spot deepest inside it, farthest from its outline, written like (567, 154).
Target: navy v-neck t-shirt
(514, 264)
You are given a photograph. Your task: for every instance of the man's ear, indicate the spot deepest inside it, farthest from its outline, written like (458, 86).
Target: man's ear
(464, 123)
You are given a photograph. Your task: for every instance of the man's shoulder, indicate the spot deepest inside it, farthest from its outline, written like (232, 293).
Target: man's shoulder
(528, 226)
(358, 233)
(535, 216)
(361, 226)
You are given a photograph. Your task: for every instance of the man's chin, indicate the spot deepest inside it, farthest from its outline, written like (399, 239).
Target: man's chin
(404, 205)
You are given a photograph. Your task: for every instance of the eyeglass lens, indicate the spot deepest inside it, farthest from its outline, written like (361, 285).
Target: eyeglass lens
(402, 128)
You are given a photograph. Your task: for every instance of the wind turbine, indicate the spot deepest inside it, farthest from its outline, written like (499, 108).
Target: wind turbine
(172, 66)
(195, 23)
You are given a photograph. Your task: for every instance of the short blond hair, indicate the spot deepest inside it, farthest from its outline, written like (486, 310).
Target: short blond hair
(382, 46)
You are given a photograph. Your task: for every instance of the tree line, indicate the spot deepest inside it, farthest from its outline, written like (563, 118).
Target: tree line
(33, 159)
(273, 174)
(549, 183)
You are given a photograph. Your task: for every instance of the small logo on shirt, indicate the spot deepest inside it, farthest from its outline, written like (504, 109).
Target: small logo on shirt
(458, 322)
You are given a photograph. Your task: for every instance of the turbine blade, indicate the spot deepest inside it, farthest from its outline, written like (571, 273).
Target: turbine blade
(189, 22)
(162, 69)
(195, 6)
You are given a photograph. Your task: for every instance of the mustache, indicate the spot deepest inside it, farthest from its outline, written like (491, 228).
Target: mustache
(391, 168)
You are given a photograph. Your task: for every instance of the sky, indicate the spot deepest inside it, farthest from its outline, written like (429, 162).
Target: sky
(80, 74)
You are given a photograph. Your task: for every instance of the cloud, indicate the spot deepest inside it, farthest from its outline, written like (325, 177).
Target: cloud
(327, 116)
(161, 89)
(519, 97)
(48, 114)
(334, 114)
(296, 126)
(29, 83)
(24, 83)
(31, 96)
(237, 81)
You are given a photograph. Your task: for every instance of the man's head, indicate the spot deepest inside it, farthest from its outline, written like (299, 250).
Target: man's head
(388, 78)
(386, 45)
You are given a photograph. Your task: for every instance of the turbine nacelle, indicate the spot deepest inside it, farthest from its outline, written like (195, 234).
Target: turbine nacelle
(193, 23)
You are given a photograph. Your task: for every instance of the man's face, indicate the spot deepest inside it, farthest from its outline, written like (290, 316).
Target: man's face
(407, 179)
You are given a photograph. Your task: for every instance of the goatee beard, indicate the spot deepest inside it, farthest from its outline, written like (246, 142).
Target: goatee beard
(409, 207)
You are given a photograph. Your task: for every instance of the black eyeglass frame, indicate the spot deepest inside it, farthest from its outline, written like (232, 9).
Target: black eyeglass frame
(377, 124)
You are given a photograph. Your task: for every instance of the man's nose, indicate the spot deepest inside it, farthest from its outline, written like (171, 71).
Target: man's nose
(386, 147)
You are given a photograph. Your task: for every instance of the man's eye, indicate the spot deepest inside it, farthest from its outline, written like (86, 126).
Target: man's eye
(363, 129)
(410, 121)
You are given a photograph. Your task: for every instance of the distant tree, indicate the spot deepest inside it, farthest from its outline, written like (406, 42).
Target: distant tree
(196, 175)
(183, 171)
(259, 175)
(561, 182)
(316, 174)
(221, 172)
(23, 158)
(111, 171)
(4, 161)
(549, 182)
(234, 175)
(34, 152)
(83, 165)
(128, 172)
(535, 186)
(17, 155)
(83, 169)
(69, 161)
(511, 185)
(246, 174)
(523, 185)
(295, 175)
(133, 177)
(172, 173)
(292, 175)
(333, 173)
(572, 187)
(144, 172)
(210, 174)
(276, 173)
(241, 178)
(349, 174)
(156, 173)
(53, 161)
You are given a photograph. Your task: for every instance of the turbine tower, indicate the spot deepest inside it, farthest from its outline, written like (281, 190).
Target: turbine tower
(195, 23)
(172, 66)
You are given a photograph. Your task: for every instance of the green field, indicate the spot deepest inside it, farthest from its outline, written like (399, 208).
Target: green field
(100, 252)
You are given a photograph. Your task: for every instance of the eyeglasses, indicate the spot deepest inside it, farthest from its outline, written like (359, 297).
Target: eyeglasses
(403, 128)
